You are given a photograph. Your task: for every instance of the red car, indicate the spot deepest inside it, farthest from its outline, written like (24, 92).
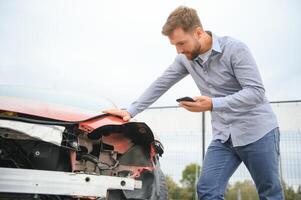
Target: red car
(57, 146)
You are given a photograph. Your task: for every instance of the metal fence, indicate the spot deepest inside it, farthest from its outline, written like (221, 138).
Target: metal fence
(186, 136)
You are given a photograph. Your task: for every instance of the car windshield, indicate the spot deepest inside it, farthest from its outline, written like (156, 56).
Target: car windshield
(77, 100)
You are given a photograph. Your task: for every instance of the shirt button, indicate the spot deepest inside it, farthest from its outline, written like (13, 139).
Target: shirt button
(210, 86)
(205, 72)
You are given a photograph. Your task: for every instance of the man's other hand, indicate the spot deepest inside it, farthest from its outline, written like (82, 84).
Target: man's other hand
(125, 115)
(201, 104)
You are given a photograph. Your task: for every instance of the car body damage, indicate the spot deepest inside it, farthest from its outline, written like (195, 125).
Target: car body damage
(66, 140)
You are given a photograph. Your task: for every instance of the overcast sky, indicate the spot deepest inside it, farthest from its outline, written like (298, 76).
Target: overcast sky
(115, 48)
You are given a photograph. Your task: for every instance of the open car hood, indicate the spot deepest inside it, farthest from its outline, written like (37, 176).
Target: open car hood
(45, 110)
(86, 120)
(57, 105)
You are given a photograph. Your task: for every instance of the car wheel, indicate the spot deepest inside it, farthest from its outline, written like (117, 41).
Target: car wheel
(157, 189)
(160, 191)
(115, 195)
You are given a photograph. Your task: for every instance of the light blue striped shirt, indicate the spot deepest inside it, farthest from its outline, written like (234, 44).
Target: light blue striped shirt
(231, 78)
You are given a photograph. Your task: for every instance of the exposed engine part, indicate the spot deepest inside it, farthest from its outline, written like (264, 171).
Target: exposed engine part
(138, 132)
(129, 152)
(158, 147)
(33, 154)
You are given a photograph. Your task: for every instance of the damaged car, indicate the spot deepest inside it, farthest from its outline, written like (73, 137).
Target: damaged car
(57, 146)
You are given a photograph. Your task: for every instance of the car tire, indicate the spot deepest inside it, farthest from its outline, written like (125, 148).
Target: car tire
(160, 191)
(115, 195)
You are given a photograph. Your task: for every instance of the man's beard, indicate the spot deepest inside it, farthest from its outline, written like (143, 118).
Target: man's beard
(195, 52)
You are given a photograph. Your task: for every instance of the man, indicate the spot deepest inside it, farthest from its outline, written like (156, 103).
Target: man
(245, 128)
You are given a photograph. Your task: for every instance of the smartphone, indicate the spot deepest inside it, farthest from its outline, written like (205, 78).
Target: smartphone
(185, 99)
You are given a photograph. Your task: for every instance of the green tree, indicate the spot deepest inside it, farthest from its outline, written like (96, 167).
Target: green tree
(299, 193)
(246, 191)
(242, 190)
(188, 188)
(290, 193)
(175, 192)
(189, 177)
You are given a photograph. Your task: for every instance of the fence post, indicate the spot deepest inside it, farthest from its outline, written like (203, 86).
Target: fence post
(203, 133)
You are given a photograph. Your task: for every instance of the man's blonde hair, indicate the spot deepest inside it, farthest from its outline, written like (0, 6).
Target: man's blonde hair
(182, 17)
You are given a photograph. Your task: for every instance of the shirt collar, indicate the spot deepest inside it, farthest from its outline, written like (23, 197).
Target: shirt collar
(215, 47)
(215, 43)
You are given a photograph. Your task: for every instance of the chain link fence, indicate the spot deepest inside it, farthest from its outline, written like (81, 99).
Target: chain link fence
(185, 135)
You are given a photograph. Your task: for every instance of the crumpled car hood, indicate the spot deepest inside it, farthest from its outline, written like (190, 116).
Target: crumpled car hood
(46, 110)
(96, 124)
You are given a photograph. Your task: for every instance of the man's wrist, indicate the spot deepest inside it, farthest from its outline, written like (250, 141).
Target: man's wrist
(218, 103)
(132, 111)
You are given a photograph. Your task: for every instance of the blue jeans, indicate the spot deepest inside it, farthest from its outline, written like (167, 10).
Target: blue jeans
(261, 159)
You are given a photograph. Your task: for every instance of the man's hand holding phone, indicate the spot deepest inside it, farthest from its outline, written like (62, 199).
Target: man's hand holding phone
(185, 99)
(196, 104)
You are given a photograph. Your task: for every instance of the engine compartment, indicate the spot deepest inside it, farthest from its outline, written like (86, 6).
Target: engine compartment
(119, 150)
(116, 150)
